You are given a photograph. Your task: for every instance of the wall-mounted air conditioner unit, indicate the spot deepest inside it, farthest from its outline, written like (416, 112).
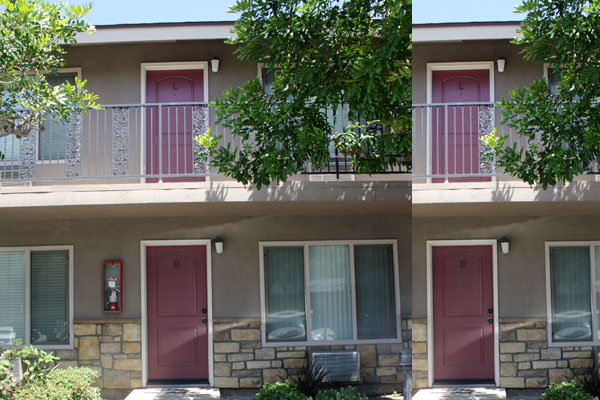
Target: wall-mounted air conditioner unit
(340, 366)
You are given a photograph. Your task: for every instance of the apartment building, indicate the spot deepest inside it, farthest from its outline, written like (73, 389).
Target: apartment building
(504, 274)
(123, 254)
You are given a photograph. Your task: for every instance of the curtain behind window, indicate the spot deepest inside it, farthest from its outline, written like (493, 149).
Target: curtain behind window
(330, 292)
(12, 297)
(375, 300)
(50, 297)
(284, 280)
(571, 293)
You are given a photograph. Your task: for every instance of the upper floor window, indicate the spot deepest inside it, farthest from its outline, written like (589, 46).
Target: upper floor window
(53, 135)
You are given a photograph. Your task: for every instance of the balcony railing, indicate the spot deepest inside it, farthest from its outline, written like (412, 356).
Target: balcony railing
(131, 143)
(447, 144)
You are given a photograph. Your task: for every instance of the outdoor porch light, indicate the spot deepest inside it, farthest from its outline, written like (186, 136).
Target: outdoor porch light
(219, 245)
(215, 64)
(505, 245)
(501, 63)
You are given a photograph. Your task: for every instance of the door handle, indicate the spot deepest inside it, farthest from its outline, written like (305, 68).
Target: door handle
(490, 310)
(204, 311)
(204, 320)
(491, 320)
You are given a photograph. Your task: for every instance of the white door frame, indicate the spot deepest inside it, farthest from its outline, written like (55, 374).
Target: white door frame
(167, 66)
(451, 66)
(439, 243)
(144, 244)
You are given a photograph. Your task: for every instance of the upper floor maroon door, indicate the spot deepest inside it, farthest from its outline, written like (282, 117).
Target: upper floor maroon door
(455, 129)
(177, 313)
(169, 131)
(463, 312)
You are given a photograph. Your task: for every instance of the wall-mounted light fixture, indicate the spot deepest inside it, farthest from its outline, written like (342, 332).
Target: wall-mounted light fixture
(501, 63)
(505, 245)
(214, 63)
(219, 245)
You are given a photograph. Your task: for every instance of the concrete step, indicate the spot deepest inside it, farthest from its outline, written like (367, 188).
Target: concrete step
(461, 393)
(175, 393)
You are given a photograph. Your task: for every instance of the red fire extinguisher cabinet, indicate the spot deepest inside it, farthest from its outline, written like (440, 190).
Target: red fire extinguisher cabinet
(112, 286)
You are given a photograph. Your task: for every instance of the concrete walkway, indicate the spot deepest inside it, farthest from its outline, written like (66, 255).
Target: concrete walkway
(175, 393)
(461, 393)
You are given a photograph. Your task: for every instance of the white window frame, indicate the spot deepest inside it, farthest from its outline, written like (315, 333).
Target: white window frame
(27, 250)
(309, 341)
(593, 307)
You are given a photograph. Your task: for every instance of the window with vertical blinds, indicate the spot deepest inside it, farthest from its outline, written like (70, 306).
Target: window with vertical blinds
(46, 275)
(12, 297)
(53, 135)
(375, 305)
(574, 287)
(284, 282)
(351, 290)
(49, 297)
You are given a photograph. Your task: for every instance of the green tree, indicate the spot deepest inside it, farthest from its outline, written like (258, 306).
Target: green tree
(561, 126)
(321, 53)
(32, 38)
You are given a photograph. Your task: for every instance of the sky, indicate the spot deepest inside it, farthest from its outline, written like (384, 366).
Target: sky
(431, 11)
(106, 12)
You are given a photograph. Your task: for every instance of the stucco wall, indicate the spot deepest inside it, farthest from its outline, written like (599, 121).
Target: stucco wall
(517, 72)
(521, 273)
(113, 71)
(235, 272)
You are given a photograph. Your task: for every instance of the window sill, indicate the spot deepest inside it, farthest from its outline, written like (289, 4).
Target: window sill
(332, 343)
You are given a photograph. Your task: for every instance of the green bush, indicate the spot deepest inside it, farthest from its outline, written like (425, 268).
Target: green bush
(567, 391)
(41, 380)
(61, 384)
(280, 391)
(347, 393)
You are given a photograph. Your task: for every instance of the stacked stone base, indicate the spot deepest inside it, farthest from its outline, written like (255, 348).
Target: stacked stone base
(112, 348)
(242, 362)
(526, 360)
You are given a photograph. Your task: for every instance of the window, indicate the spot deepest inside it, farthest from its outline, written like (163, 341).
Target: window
(571, 271)
(35, 293)
(349, 289)
(53, 135)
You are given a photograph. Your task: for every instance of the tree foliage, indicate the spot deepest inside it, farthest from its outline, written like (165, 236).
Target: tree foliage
(322, 53)
(562, 126)
(32, 38)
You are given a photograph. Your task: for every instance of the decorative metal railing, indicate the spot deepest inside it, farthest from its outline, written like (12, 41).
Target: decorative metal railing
(447, 142)
(131, 142)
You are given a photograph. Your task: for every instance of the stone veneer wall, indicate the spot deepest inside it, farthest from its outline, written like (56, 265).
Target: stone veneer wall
(526, 360)
(242, 362)
(111, 347)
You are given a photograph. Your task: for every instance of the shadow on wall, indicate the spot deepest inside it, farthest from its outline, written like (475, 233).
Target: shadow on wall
(574, 191)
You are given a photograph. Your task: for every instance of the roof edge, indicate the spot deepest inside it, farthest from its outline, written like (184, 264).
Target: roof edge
(473, 23)
(164, 24)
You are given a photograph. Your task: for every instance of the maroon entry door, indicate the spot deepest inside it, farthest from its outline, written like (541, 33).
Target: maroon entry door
(455, 129)
(177, 313)
(463, 313)
(169, 131)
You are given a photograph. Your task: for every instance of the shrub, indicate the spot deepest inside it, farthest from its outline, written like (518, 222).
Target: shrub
(280, 391)
(61, 384)
(41, 380)
(311, 382)
(567, 391)
(590, 382)
(347, 393)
